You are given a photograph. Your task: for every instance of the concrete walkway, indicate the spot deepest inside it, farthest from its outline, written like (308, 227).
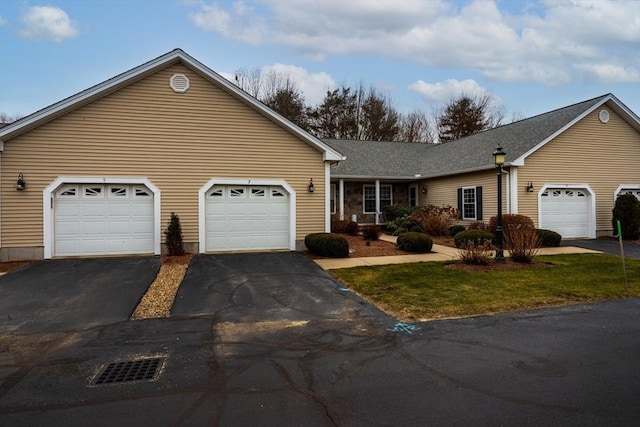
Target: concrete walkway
(438, 253)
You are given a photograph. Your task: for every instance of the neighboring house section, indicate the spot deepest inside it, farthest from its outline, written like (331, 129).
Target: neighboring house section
(563, 169)
(105, 168)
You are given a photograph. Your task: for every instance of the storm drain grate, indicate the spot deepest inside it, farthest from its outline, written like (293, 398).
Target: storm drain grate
(130, 370)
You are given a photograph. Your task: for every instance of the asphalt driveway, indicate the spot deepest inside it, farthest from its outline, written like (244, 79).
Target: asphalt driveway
(272, 340)
(73, 294)
(631, 250)
(265, 287)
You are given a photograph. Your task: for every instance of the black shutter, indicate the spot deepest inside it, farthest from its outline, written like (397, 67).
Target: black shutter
(460, 202)
(479, 203)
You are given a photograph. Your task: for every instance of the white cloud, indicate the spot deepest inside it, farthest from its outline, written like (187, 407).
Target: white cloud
(47, 23)
(542, 43)
(2, 21)
(241, 23)
(442, 92)
(610, 73)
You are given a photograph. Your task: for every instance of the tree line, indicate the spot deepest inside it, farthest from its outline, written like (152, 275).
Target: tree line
(364, 113)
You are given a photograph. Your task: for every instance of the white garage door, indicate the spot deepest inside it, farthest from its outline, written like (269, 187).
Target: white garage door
(565, 211)
(246, 218)
(96, 219)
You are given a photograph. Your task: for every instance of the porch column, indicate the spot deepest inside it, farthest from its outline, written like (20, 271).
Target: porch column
(341, 199)
(377, 201)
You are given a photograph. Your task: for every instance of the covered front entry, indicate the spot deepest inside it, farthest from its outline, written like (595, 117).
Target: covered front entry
(247, 218)
(103, 219)
(567, 211)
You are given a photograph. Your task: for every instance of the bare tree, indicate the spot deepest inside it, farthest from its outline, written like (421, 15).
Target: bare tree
(415, 127)
(9, 118)
(466, 115)
(249, 80)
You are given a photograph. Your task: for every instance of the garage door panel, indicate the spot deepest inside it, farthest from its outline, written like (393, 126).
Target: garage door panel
(246, 218)
(121, 223)
(566, 211)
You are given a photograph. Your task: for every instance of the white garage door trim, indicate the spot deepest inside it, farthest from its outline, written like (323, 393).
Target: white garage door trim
(47, 204)
(243, 181)
(591, 217)
(632, 188)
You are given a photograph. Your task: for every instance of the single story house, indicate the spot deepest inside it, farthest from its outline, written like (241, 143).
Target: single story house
(100, 172)
(563, 169)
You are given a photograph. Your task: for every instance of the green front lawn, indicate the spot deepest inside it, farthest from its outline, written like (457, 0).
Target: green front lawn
(428, 290)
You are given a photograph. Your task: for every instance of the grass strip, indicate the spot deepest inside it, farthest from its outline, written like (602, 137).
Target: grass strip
(428, 290)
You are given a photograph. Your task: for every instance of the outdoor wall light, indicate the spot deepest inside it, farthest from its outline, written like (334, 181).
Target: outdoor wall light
(530, 187)
(20, 184)
(424, 189)
(310, 187)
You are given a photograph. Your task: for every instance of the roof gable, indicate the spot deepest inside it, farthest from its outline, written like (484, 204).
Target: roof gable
(177, 55)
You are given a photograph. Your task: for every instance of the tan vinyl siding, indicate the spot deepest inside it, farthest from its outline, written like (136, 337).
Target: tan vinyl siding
(590, 152)
(444, 191)
(177, 140)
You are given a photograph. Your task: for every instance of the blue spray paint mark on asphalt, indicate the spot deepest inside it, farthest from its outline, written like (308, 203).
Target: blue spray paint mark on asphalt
(404, 327)
(343, 289)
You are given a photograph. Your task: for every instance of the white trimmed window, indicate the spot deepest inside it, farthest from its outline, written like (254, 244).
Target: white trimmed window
(470, 203)
(369, 192)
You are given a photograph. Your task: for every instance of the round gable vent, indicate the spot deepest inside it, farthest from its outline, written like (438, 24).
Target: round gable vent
(179, 83)
(603, 116)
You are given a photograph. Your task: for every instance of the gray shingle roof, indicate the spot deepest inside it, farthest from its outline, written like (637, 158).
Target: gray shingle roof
(404, 160)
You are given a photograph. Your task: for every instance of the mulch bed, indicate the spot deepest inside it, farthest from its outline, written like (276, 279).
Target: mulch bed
(495, 266)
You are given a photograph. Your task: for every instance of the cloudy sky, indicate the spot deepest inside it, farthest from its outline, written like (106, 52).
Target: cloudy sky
(532, 55)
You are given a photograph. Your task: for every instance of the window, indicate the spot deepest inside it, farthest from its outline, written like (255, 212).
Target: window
(142, 192)
(92, 191)
(277, 193)
(258, 192)
(68, 192)
(470, 203)
(370, 197)
(332, 198)
(216, 192)
(236, 192)
(413, 196)
(117, 192)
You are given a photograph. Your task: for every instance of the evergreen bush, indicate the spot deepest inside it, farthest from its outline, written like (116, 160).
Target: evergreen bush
(477, 237)
(627, 210)
(414, 242)
(173, 236)
(549, 238)
(327, 244)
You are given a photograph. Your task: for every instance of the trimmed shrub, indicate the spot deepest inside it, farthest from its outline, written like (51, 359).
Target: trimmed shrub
(173, 236)
(455, 229)
(627, 210)
(327, 244)
(393, 212)
(476, 253)
(435, 220)
(548, 238)
(371, 232)
(477, 237)
(511, 221)
(523, 244)
(414, 242)
(478, 225)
